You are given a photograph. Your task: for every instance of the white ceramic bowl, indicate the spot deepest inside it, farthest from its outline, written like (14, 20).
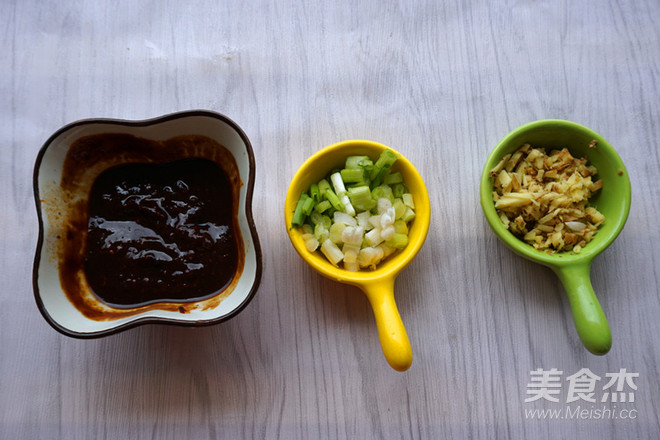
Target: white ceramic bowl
(54, 206)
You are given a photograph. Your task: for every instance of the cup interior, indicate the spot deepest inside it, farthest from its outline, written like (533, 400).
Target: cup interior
(333, 157)
(613, 200)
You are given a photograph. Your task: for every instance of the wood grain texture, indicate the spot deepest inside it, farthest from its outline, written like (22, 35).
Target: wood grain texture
(441, 82)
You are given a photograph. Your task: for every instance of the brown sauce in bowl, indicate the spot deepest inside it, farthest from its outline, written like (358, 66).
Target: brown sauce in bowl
(160, 232)
(142, 224)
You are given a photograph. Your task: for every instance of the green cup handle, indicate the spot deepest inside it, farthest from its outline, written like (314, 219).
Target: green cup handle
(590, 321)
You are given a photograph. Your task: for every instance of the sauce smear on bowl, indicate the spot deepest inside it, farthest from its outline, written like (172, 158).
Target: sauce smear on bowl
(160, 232)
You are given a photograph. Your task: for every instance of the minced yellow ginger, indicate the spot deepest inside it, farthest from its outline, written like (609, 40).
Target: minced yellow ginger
(544, 199)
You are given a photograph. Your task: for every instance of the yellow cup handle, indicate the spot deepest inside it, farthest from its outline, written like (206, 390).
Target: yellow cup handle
(391, 332)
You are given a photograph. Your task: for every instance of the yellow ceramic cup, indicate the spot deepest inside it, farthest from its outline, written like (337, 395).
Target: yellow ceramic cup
(377, 284)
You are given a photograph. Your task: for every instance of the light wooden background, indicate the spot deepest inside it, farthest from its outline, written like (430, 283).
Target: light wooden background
(440, 81)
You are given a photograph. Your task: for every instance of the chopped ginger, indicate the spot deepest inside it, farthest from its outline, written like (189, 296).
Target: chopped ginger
(543, 199)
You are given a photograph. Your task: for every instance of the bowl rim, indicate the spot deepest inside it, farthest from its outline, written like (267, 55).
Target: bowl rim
(523, 249)
(360, 277)
(249, 189)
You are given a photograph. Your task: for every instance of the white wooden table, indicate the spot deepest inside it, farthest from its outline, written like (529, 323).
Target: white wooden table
(441, 82)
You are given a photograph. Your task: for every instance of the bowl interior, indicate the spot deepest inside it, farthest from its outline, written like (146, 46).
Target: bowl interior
(332, 157)
(50, 296)
(613, 200)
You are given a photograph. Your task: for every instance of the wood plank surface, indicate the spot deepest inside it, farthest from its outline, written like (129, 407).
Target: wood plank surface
(441, 82)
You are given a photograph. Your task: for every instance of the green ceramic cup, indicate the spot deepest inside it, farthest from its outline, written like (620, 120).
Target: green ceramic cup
(613, 201)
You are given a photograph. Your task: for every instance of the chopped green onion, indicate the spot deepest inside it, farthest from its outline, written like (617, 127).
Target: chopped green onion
(308, 205)
(408, 200)
(370, 256)
(320, 232)
(334, 200)
(315, 217)
(350, 253)
(398, 241)
(408, 216)
(360, 197)
(335, 232)
(382, 167)
(326, 221)
(373, 237)
(352, 175)
(338, 184)
(342, 217)
(323, 185)
(393, 178)
(399, 189)
(315, 193)
(399, 208)
(322, 206)
(311, 243)
(358, 215)
(340, 190)
(387, 157)
(357, 161)
(378, 178)
(331, 252)
(298, 215)
(401, 227)
(382, 191)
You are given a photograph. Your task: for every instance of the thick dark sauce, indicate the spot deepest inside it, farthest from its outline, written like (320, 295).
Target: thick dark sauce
(160, 232)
